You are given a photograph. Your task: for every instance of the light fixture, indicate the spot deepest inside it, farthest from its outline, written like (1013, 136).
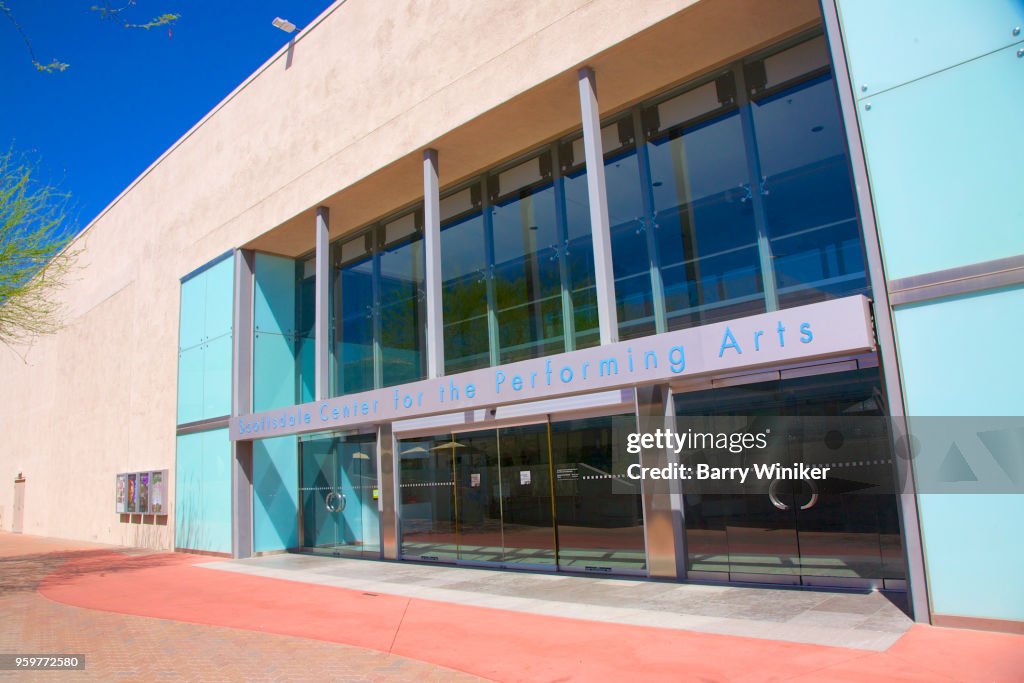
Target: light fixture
(283, 24)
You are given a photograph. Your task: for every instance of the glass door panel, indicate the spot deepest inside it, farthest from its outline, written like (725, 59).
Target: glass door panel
(599, 508)
(318, 480)
(478, 496)
(527, 524)
(427, 498)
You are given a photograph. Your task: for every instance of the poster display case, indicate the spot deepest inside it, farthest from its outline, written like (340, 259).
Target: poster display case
(141, 492)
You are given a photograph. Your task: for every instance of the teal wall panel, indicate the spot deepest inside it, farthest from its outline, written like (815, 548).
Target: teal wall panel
(192, 317)
(274, 296)
(275, 362)
(202, 499)
(190, 384)
(217, 377)
(275, 494)
(959, 357)
(204, 343)
(220, 298)
(944, 157)
(890, 43)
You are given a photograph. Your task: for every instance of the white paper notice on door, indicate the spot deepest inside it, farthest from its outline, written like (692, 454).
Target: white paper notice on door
(474, 479)
(524, 477)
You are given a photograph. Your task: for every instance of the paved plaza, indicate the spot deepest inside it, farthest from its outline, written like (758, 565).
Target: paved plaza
(167, 616)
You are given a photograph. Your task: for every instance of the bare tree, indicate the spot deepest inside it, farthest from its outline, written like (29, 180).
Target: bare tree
(106, 11)
(36, 256)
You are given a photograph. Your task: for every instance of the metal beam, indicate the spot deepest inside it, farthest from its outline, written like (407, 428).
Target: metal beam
(321, 317)
(910, 524)
(387, 482)
(241, 499)
(432, 249)
(600, 224)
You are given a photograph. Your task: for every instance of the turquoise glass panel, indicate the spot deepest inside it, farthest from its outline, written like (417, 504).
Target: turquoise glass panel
(202, 506)
(217, 377)
(275, 494)
(274, 369)
(192, 320)
(274, 295)
(306, 352)
(944, 156)
(889, 43)
(972, 542)
(190, 384)
(220, 297)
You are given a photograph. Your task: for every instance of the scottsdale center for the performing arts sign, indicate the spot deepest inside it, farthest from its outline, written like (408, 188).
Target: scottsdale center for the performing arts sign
(830, 328)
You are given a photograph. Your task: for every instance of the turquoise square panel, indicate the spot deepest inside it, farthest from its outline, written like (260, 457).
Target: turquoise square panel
(202, 498)
(190, 384)
(944, 156)
(192, 317)
(274, 371)
(275, 511)
(217, 377)
(274, 295)
(220, 298)
(959, 357)
(890, 43)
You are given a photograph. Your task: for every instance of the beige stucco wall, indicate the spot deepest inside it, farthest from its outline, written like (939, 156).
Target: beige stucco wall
(367, 89)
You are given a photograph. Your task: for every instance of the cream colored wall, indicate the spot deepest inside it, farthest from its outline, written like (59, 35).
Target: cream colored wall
(368, 88)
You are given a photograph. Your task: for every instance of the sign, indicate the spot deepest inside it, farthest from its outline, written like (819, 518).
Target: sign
(474, 479)
(158, 492)
(120, 497)
(524, 477)
(804, 333)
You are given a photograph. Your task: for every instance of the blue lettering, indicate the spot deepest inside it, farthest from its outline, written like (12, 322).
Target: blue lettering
(470, 392)
(561, 375)
(323, 412)
(806, 336)
(676, 359)
(607, 365)
(729, 342)
(517, 383)
(782, 338)
(757, 339)
(499, 379)
(651, 358)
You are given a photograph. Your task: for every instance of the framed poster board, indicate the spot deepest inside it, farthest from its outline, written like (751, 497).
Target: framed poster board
(158, 492)
(142, 504)
(120, 497)
(132, 492)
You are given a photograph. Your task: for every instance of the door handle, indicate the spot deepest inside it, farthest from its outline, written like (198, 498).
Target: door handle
(774, 498)
(335, 502)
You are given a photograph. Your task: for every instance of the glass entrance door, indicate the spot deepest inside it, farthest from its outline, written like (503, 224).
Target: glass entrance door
(339, 492)
(834, 531)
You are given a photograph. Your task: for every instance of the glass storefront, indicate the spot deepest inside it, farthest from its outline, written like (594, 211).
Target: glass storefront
(540, 496)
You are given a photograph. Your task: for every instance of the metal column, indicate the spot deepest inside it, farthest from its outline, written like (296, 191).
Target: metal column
(432, 249)
(387, 481)
(600, 225)
(910, 527)
(664, 525)
(322, 313)
(241, 404)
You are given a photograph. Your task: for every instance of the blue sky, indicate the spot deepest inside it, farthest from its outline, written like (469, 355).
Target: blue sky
(129, 94)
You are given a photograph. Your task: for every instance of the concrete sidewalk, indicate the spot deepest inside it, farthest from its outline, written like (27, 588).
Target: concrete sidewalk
(863, 620)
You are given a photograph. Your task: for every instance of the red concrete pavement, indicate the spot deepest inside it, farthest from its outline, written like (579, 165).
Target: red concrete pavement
(505, 645)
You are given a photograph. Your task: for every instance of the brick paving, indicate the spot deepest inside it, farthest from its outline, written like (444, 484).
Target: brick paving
(124, 647)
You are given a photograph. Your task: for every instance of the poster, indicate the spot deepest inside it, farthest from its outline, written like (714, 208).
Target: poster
(120, 495)
(474, 479)
(524, 477)
(157, 492)
(130, 507)
(143, 502)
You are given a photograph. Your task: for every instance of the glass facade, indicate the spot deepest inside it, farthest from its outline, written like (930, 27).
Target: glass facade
(378, 306)
(517, 263)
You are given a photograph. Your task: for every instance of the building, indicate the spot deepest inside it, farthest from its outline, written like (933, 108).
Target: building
(397, 295)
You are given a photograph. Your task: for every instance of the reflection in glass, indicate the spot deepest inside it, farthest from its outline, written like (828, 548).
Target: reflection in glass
(427, 498)
(378, 307)
(812, 217)
(706, 237)
(527, 528)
